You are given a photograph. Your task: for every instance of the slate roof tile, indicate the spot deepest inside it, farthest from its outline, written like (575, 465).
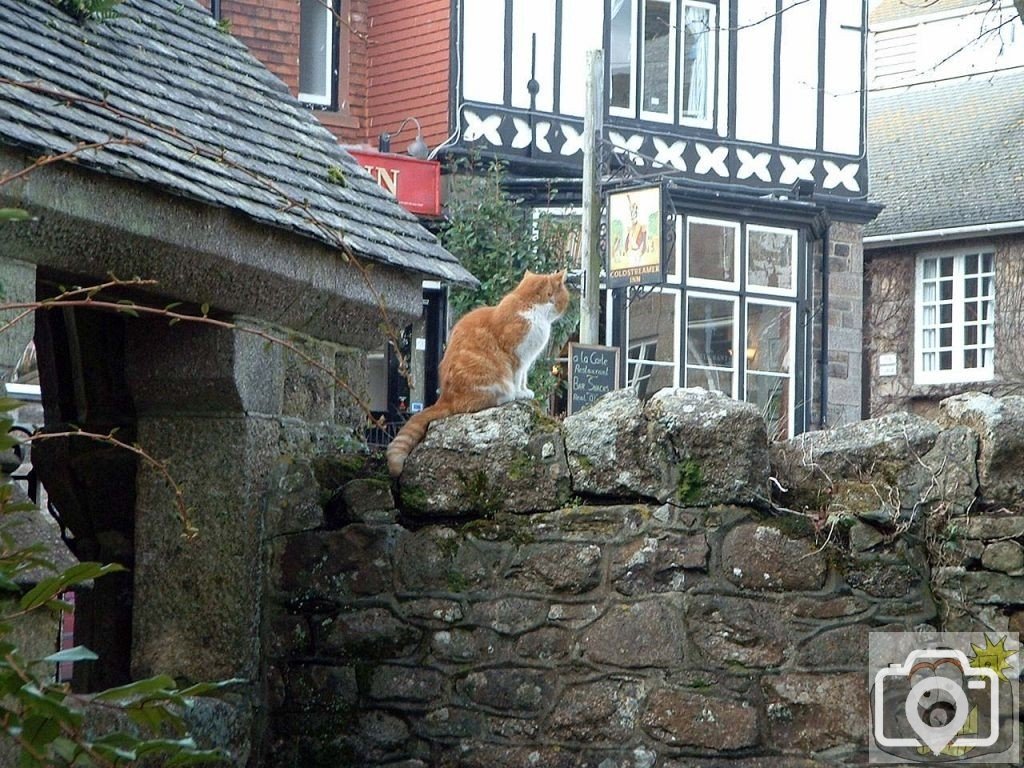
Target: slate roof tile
(206, 119)
(947, 154)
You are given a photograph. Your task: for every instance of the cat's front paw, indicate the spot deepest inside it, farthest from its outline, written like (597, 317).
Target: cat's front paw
(524, 394)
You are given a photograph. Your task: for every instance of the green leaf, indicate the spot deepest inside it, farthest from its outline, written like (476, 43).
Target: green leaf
(78, 653)
(10, 403)
(40, 731)
(159, 684)
(208, 689)
(49, 588)
(14, 214)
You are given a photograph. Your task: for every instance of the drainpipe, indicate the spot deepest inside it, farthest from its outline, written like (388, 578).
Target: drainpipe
(215, 9)
(823, 361)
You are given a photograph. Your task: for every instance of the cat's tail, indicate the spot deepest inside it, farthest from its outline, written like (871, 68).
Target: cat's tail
(411, 434)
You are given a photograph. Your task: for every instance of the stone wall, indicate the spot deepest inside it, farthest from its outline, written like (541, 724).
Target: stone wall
(890, 280)
(622, 590)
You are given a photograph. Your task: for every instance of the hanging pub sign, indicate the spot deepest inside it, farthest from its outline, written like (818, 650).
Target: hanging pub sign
(635, 237)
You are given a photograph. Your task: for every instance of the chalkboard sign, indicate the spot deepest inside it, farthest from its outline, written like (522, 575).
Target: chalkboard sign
(593, 371)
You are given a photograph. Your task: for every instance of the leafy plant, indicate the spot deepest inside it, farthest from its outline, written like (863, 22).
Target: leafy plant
(48, 723)
(498, 238)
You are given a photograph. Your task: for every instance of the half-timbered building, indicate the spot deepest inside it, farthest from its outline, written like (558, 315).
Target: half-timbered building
(749, 113)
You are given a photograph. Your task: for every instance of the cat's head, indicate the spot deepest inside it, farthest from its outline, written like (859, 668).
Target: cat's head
(547, 288)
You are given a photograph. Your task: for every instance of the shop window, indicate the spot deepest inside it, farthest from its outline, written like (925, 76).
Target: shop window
(955, 318)
(771, 260)
(769, 364)
(651, 361)
(711, 343)
(665, 51)
(318, 52)
(712, 253)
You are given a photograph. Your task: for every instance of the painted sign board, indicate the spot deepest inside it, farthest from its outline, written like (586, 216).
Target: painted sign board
(635, 237)
(593, 371)
(415, 183)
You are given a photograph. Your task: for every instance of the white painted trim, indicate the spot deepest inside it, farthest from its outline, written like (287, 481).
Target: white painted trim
(931, 235)
(669, 114)
(789, 374)
(956, 375)
(767, 289)
(700, 282)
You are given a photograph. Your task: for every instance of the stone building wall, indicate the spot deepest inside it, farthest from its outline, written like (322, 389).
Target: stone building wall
(890, 283)
(845, 322)
(622, 590)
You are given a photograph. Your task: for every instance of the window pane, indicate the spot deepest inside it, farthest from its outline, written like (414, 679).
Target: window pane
(315, 48)
(970, 358)
(971, 287)
(710, 340)
(946, 313)
(971, 264)
(652, 335)
(929, 269)
(712, 252)
(945, 337)
(987, 260)
(771, 396)
(770, 258)
(768, 329)
(946, 266)
(946, 290)
(945, 360)
(971, 334)
(621, 58)
(697, 38)
(928, 293)
(657, 53)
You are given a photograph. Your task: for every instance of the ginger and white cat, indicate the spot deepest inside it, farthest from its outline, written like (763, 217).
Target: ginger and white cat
(488, 357)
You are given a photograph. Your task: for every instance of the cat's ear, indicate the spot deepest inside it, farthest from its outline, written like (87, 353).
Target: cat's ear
(528, 274)
(560, 276)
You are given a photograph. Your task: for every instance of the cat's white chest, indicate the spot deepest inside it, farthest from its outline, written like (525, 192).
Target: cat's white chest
(539, 319)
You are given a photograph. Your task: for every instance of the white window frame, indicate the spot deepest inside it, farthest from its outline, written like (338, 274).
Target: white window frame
(767, 289)
(703, 282)
(737, 332)
(790, 373)
(706, 120)
(675, 113)
(956, 374)
(675, 364)
(630, 110)
(669, 113)
(331, 44)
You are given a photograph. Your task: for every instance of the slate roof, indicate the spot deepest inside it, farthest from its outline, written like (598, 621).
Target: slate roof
(947, 154)
(207, 122)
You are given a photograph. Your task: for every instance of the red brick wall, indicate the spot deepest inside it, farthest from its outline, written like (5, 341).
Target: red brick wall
(394, 62)
(270, 29)
(409, 55)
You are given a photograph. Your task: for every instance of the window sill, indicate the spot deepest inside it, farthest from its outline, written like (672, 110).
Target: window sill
(948, 389)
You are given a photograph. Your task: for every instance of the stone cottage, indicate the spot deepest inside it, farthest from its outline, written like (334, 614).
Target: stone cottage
(152, 151)
(943, 299)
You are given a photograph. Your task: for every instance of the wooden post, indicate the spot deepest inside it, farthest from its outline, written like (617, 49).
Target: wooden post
(593, 121)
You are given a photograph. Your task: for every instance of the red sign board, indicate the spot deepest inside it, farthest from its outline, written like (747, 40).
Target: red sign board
(415, 183)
